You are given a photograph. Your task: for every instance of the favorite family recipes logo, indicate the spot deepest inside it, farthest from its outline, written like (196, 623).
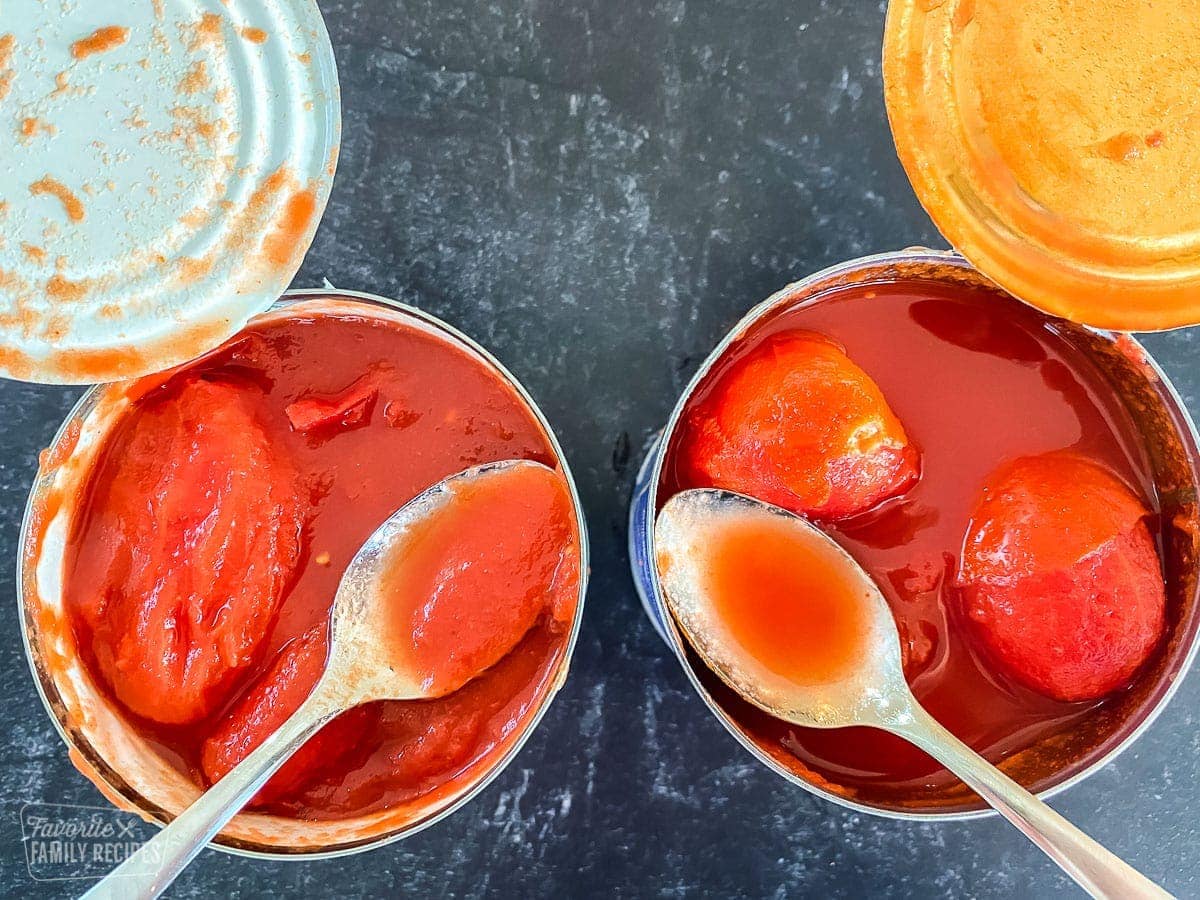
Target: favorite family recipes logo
(63, 841)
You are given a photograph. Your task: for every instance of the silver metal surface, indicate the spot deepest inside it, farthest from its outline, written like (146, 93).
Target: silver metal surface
(869, 689)
(171, 162)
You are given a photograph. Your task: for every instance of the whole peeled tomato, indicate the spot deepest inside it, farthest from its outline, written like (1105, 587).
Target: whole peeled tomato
(796, 423)
(1060, 576)
(193, 534)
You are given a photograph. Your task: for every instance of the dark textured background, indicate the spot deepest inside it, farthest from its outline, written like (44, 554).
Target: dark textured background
(597, 190)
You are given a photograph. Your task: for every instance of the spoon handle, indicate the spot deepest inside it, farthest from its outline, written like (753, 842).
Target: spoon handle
(1098, 871)
(158, 862)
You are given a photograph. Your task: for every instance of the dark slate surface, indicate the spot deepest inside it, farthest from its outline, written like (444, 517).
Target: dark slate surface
(596, 190)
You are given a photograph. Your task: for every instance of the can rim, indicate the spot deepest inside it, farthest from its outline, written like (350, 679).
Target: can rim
(84, 404)
(676, 642)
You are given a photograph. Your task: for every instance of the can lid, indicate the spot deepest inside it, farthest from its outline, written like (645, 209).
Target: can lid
(163, 179)
(1056, 145)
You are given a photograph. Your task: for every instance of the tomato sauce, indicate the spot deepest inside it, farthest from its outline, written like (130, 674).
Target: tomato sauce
(977, 380)
(221, 512)
(792, 604)
(469, 582)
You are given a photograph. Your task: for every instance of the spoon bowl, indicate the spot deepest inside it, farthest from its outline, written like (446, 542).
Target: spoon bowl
(688, 525)
(869, 689)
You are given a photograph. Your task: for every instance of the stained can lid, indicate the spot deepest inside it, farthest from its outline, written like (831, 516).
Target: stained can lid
(164, 174)
(1056, 145)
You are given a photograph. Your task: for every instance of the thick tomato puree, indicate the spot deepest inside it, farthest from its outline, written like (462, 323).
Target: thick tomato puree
(479, 573)
(1026, 457)
(220, 515)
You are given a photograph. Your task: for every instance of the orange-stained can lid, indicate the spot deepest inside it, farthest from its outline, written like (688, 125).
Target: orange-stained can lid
(163, 175)
(1056, 145)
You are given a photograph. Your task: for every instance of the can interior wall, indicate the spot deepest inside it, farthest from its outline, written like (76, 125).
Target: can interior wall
(123, 766)
(1170, 439)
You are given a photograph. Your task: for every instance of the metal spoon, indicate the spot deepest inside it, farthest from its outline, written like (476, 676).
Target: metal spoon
(365, 664)
(871, 692)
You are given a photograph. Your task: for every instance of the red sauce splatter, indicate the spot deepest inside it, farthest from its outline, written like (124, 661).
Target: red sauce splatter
(287, 238)
(205, 32)
(64, 289)
(964, 14)
(31, 127)
(7, 44)
(254, 35)
(195, 79)
(978, 380)
(1121, 147)
(349, 479)
(51, 458)
(90, 365)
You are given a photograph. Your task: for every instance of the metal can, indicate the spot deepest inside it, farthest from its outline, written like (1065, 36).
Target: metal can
(1159, 414)
(101, 742)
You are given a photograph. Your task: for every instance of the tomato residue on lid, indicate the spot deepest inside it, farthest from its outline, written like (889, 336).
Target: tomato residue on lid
(206, 31)
(100, 41)
(1053, 144)
(72, 205)
(282, 243)
(64, 289)
(31, 127)
(791, 602)
(160, 210)
(196, 79)
(7, 43)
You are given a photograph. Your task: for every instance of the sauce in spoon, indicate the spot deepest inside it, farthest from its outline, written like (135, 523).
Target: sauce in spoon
(788, 602)
(472, 578)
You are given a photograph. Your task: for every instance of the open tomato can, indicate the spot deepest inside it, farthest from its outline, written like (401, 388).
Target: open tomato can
(194, 153)
(111, 746)
(1123, 382)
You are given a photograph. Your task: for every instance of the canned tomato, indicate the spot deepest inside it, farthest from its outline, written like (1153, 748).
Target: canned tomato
(364, 402)
(977, 378)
